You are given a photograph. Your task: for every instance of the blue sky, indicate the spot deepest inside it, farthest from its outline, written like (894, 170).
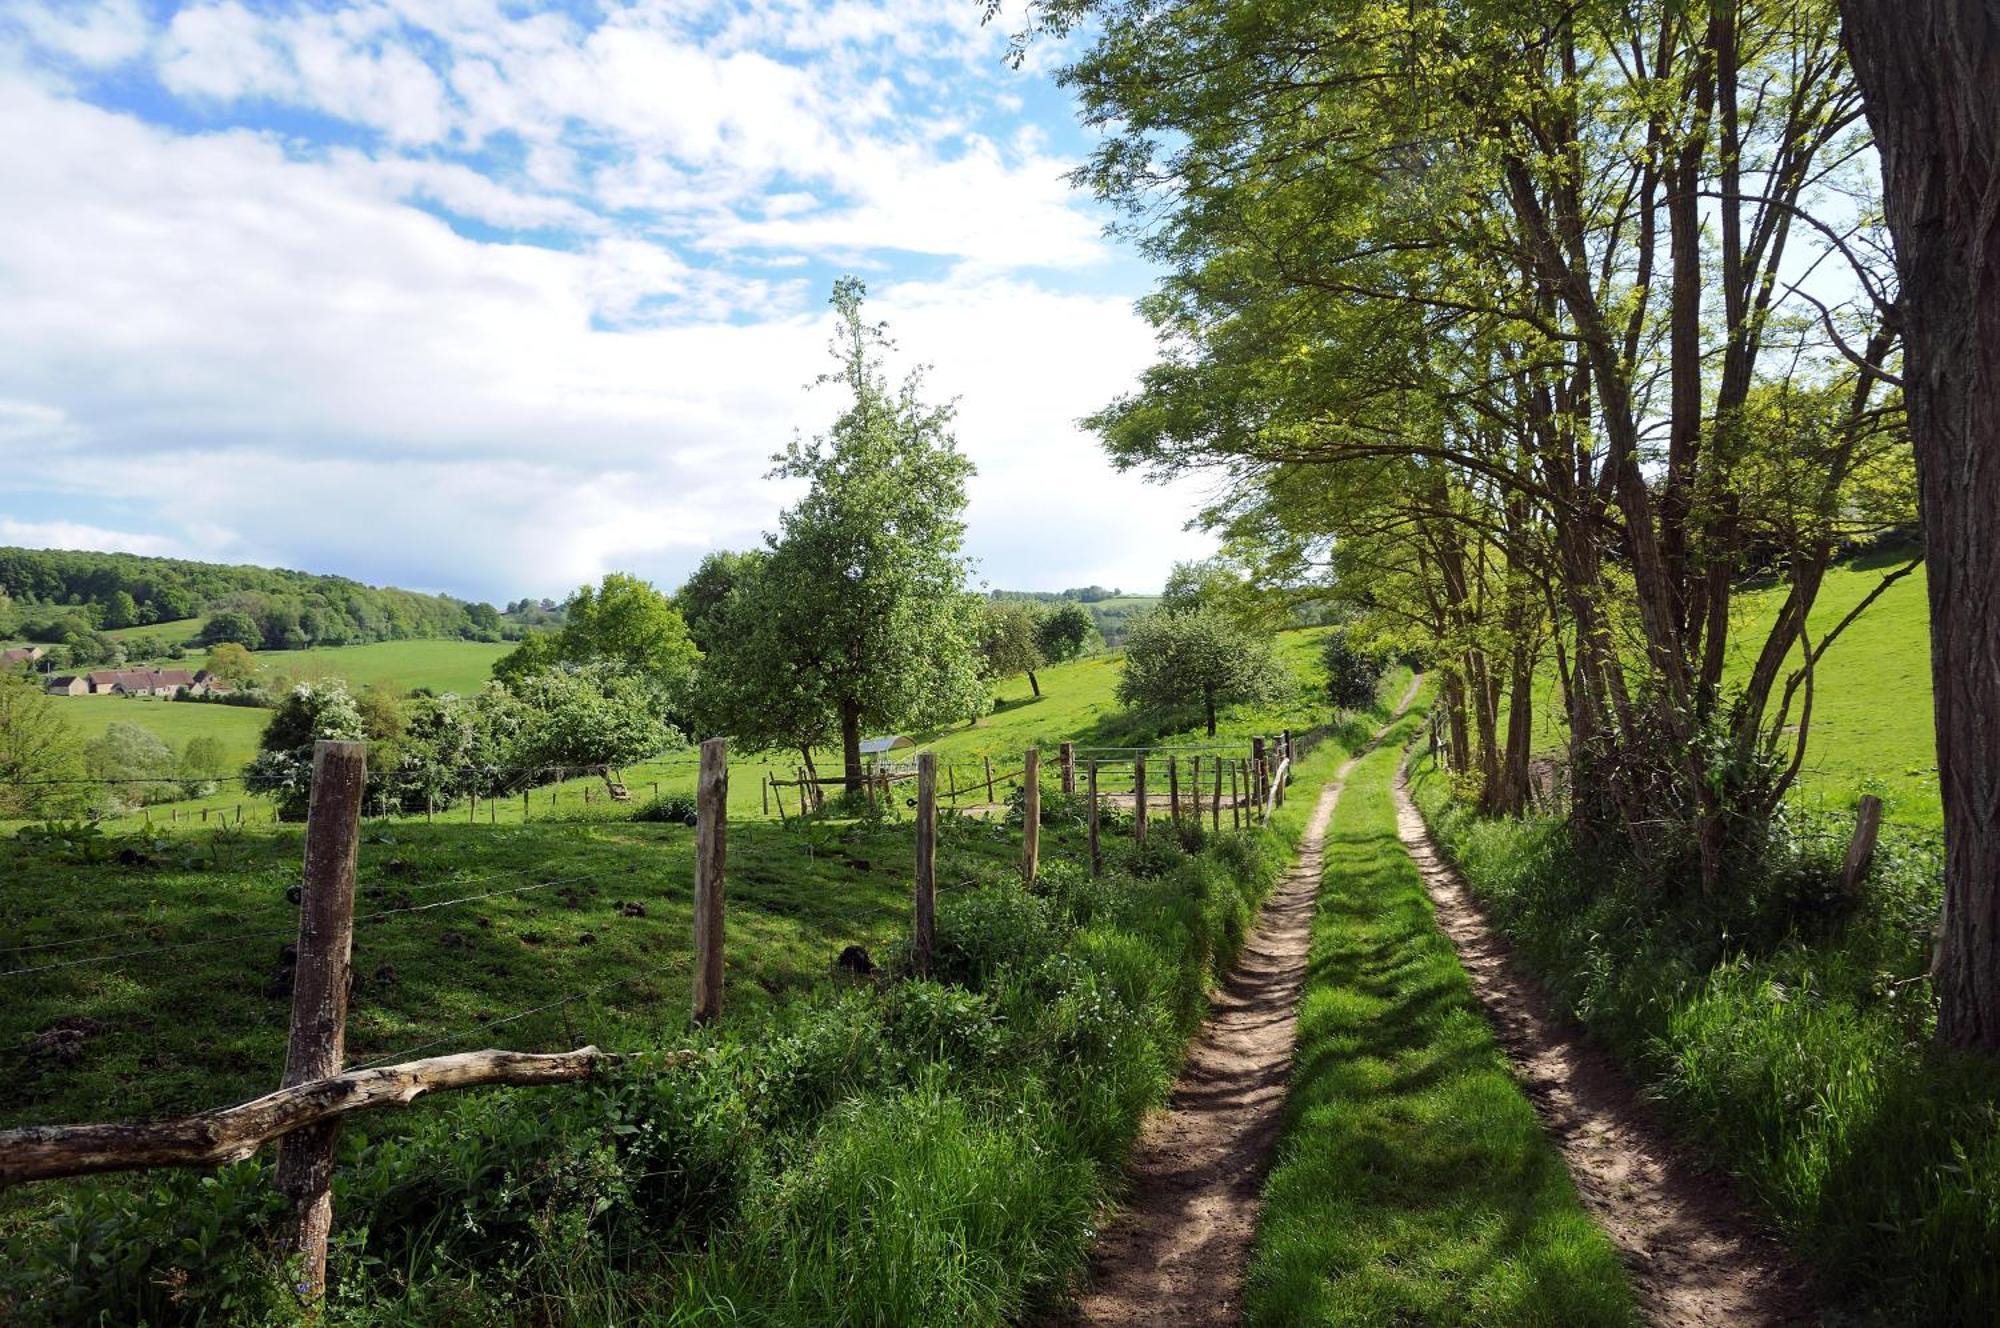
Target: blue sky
(494, 297)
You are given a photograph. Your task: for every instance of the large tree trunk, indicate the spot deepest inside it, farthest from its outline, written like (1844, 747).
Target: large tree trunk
(1033, 685)
(1930, 73)
(850, 746)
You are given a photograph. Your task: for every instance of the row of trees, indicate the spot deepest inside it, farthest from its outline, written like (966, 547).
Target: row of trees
(54, 595)
(1532, 329)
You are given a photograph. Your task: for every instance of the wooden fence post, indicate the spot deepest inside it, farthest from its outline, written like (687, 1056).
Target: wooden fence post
(951, 777)
(472, 809)
(779, 793)
(989, 779)
(1215, 803)
(764, 785)
(1139, 800)
(711, 857)
(317, 1045)
(1174, 790)
(924, 927)
(524, 806)
(1861, 849)
(1235, 797)
(1069, 767)
(1194, 791)
(1259, 785)
(1096, 856)
(1031, 813)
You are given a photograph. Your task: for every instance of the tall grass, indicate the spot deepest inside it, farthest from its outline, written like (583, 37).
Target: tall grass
(1787, 1032)
(1413, 1183)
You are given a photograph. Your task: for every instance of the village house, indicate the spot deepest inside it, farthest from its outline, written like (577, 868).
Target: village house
(19, 655)
(140, 682)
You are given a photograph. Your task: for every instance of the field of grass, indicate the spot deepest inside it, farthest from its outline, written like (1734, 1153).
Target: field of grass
(442, 666)
(994, 1111)
(174, 722)
(1413, 1182)
(1872, 727)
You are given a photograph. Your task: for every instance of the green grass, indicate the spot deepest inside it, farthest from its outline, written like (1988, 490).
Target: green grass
(1872, 729)
(839, 1154)
(237, 728)
(1413, 1184)
(442, 666)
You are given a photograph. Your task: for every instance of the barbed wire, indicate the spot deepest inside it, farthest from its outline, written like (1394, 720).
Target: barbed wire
(483, 1025)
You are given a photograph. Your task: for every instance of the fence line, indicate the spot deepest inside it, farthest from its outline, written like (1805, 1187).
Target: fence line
(317, 1089)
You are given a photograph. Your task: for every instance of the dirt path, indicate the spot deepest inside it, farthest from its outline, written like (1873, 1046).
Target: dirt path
(1694, 1259)
(1175, 1257)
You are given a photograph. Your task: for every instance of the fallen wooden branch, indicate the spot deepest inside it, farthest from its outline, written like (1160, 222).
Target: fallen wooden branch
(228, 1134)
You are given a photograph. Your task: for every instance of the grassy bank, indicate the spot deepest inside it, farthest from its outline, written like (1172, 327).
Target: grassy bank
(1413, 1183)
(1788, 1034)
(842, 1150)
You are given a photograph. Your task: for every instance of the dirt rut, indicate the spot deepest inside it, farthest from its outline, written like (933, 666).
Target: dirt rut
(1174, 1258)
(1695, 1260)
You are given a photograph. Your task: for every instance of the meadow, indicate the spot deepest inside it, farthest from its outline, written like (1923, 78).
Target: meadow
(145, 979)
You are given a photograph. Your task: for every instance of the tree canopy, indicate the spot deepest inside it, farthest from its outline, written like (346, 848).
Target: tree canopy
(1196, 657)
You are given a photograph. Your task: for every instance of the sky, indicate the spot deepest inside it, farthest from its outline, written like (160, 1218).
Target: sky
(492, 298)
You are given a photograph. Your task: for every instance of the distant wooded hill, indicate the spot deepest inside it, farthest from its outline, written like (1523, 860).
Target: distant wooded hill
(47, 594)
(1112, 609)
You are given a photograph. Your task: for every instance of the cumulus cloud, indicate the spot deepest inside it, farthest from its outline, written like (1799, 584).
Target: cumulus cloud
(544, 303)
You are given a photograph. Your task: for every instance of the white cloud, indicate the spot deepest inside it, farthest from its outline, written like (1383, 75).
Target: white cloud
(272, 350)
(97, 33)
(75, 535)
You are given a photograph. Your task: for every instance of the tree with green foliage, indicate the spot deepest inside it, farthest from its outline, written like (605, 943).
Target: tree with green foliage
(622, 623)
(231, 625)
(230, 662)
(137, 766)
(705, 592)
(39, 753)
(1010, 640)
(598, 716)
(120, 610)
(868, 569)
(1353, 674)
(762, 683)
(1065, 632)
(309, 712)
(1196, 657)
(201, 763)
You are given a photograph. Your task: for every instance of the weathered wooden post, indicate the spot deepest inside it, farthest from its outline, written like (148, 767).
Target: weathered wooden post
(764, 786)
(1861, 849)
(1069, 767)
(524, 806)
(1260, 775)
(1031, 813)
(1215, 802)
(1235, 797)
(924, 925)
(1194, 791)
(472, 809)
(1174, 790)
(1096, 856)
(778, 792)
(1139, 800)
(989, 779)
(711, 857)
(317, 1045)
(951, 777)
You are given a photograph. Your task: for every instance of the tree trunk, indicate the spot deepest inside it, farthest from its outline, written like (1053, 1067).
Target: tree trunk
(1930, 75)
(1208, 701)
(1033, 685)
(850, 747)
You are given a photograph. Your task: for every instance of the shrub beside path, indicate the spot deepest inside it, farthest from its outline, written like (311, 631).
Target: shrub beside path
(1174, 1258)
